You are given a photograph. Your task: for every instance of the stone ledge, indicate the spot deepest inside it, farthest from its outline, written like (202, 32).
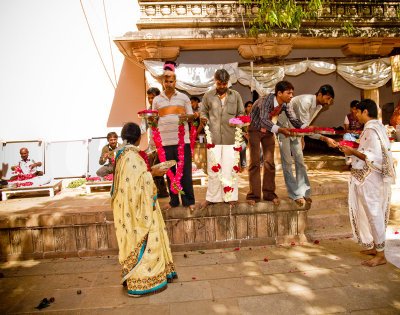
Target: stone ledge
(81, 234)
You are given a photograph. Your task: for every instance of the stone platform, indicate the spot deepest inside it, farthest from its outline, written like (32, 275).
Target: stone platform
(74, 223)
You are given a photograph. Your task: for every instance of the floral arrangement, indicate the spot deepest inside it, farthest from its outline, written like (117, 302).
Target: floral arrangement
(77, 183)
(21, 177)
(235, 121)
(216, 167)
(244, 119)
(176, 186)
(93, 179)
(305, 130)
(24, 184)
(146, 159)
(240, 120)
(108, 177)
(351, 144)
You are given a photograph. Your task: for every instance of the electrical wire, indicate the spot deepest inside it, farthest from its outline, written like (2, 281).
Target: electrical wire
(98, 52)
(109, 42)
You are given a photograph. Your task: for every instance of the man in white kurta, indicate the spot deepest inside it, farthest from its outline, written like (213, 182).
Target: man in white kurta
(370, 183)
(218, 106)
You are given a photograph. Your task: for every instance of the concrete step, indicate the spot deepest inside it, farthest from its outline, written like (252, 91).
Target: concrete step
(328, 217)
(330, 232)
(331, 201)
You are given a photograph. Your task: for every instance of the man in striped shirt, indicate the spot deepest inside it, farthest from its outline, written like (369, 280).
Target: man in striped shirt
(264, 115)
(173, 106)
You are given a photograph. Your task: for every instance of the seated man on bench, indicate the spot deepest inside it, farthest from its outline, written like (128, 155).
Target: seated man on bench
(27, 165)
(108, 155)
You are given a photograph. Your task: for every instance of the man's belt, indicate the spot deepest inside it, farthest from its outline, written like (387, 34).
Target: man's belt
(177, 110)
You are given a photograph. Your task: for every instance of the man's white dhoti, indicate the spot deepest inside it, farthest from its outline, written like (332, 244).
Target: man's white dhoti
(224, 155)
(370, 187)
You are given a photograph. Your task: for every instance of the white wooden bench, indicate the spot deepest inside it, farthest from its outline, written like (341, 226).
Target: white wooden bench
(50, 187)
(90, 185)
(199, 176)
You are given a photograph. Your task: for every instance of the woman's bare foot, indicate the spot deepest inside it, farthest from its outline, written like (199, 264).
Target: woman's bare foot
(300, 202)
(276, 201)
(371, 251)
(205, 204)
(379, 259)
(251, 202)
(166, 207)
(192, 208)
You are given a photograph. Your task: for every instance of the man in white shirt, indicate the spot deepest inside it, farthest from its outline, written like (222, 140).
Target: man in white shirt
(27, 165)
(306, 108)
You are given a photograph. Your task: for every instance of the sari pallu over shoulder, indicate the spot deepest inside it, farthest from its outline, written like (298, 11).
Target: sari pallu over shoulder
(144, 254)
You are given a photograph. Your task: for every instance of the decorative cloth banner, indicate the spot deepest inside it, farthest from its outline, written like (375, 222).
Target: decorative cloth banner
(366, 75)
(196, 79)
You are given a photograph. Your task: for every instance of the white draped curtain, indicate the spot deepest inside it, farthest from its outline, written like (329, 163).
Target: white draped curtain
(196, 79)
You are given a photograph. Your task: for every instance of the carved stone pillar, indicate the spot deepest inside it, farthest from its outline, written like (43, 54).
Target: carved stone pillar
(373, 95)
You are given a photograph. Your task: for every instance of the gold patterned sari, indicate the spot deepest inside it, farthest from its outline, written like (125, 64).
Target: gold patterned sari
(144, 250)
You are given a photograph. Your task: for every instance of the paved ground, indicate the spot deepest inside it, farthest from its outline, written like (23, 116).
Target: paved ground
(301, 279)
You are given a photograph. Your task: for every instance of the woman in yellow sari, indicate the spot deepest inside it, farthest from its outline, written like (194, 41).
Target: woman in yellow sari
(144, 250)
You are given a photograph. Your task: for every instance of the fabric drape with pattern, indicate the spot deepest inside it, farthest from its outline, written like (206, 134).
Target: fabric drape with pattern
(144, 251)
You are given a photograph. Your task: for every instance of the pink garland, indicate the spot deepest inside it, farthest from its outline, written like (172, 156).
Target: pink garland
(176, 186)
(146, 159)
(193, 136)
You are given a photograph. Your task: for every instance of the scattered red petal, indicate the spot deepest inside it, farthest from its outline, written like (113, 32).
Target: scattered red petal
(304, 273)
(52, 299)
(280, 245)
(237, 248)
(396, 232)
(323, 227)
(290, 270)
(316, 242)
(193, 278)
(266, 259)
(292, 243)
(65, 257)
(348, 236)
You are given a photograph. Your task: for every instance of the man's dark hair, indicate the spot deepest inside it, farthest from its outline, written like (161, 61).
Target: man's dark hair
(221, 75)
(195, 98)
(283, 86)
(112, 134)
(247, 104)
(154, 91)
(370, 106)
(326, 90)
(354, 103)
(130, 132)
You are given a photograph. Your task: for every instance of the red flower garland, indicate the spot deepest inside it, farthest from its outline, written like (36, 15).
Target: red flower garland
(146, 159)
(227, 189)
(236, 168)
(176, 186)
(210, 145)
(238, 149)
(216, 168)
(193, 136)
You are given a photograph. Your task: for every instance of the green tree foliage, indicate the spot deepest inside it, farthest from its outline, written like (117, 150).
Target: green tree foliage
(286, 14)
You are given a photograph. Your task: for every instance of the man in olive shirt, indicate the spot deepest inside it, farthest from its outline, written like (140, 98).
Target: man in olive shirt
(218, 106)
(107, 155)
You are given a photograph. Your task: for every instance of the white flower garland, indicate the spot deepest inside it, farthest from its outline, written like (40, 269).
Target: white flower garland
(238, 143)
